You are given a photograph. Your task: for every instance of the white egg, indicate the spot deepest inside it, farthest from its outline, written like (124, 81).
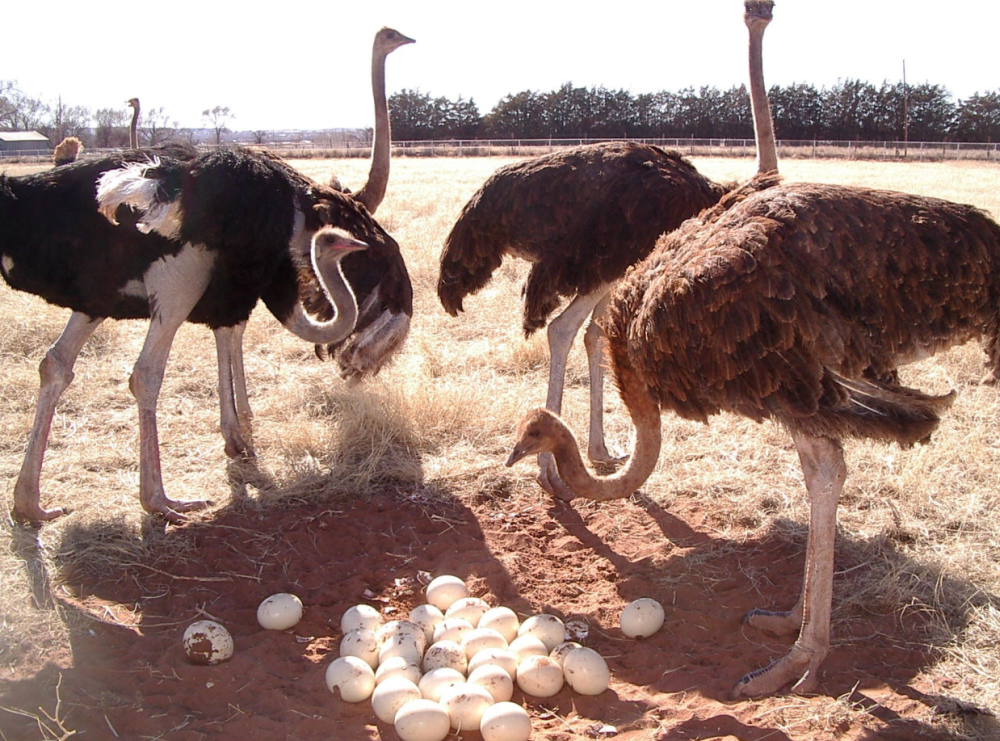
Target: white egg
(445, 654)
(496, 681)
(363, 644)
(434, 682)
(559, 652)
(360, 616)
(539, 676)
(422, 720)
(451, 629)
(279, 612)
(397, 666)
(402, 644)
(445, 590)
(503, 620)
(547, 628)
(468, 608)
(352, 677)
(207, 642)
(427, 617)
(495, 657)
(466, 704)
(642, 618)
(586, 671)
(479, 639)
(526, 646)
(391, 695)
(395, 627)
(505, 721)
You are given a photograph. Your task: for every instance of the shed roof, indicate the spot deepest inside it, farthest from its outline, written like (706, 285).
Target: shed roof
(22, 136)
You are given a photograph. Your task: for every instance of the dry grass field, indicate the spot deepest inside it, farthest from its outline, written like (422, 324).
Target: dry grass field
(356, 490)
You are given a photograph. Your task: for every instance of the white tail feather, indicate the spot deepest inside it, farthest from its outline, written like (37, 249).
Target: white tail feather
(129, 186)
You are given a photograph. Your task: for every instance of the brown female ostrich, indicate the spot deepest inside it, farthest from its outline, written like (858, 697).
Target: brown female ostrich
(796, 304)
(582, 217)
(67, 151)
(240, 226)
(133, 128)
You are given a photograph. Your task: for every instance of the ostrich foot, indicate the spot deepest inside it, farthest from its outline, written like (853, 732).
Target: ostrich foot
(776, 623)
(799, 665)
(172, 509)
(237, 447)
(599, 455)
(34, 514)
(548, 479)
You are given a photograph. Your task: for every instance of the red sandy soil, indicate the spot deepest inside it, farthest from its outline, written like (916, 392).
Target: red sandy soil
(125, 675)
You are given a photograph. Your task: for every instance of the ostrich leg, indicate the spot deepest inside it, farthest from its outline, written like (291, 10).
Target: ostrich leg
(234, 407)
(561, 332)
(824, 468)
(177, 283)
(595, 341)
(56, 372)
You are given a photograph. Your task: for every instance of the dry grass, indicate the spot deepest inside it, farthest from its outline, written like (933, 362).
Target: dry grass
(919, 529)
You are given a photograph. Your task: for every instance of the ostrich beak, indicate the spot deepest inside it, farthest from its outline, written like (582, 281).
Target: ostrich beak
(517, 454)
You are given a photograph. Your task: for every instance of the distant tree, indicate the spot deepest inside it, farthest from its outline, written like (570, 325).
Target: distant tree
(111, 128)
(931, 113)
(977, 118)
(517, 116)
(259, 137)
(156, 126)
(797, 111)
(67, 121)
(217, 119)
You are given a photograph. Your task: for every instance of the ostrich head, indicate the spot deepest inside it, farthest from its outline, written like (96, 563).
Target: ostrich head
(388, 40)
(537, 433)
(757, 12)
(331, 243)
(133, 103)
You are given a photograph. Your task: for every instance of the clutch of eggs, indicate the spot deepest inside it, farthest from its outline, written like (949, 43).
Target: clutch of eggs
(454, 663)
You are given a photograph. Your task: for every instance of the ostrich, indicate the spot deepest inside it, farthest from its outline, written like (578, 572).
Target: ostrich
(387, 40)
(67, 151)
(582, 217)
(244, 227)
(795, 303)
(133, 129)
(361, 272)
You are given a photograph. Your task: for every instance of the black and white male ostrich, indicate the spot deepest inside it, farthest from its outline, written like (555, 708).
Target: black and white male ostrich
(796, 304)
(243, 226)
(582, 217)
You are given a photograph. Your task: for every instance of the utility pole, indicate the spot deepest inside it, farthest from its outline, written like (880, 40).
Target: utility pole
(906, 116)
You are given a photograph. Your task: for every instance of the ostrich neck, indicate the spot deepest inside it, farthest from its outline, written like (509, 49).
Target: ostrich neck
(339, 293)
(373, 191)
(763, 126)
(133, 134)
(627, 480)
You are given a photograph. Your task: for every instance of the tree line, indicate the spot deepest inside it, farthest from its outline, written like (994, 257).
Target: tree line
(851, 110)
(103, 128)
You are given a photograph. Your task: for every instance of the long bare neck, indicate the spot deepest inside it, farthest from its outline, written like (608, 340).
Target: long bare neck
(629, 478)
(373, 191)
(338, 292)
(763, 125)
(133, 131)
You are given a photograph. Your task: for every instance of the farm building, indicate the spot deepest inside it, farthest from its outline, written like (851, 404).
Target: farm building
(23, 142)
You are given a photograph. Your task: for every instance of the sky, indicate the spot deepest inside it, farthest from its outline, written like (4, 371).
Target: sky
(302, 64)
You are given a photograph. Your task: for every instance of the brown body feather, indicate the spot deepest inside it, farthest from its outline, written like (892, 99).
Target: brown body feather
(581, 216)
(790, 304)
